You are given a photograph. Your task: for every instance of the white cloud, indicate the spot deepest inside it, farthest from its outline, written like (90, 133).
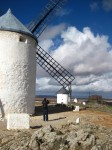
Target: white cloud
(63, 12)
(52, 31)
(94, 83)
(84, 53)
(94, 6)
(46, 44)
(45, 40)
(42, 85)
(107, 5)
(87, 56)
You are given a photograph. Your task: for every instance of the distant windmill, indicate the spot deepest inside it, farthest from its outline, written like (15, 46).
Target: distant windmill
(17, 60)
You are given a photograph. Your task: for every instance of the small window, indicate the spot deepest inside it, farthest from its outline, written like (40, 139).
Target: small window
(22, 39)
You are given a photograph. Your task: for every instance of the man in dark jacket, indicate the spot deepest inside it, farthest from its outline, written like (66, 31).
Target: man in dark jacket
(45, 109)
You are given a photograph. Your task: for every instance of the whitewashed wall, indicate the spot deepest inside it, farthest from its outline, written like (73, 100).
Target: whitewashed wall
(62, 98)
(17, 73)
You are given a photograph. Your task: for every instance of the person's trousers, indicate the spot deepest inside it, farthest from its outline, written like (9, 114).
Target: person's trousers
(45, 115)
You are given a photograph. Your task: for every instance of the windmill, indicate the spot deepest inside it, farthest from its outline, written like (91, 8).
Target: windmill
(19, 51)
(37, 26)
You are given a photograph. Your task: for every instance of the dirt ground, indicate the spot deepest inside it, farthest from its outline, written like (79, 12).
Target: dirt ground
(93, 130)
(61, 116)
(86, 116)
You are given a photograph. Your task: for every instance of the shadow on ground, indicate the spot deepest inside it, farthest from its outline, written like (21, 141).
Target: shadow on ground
(58, 118)
(52, 109)
(35, 127)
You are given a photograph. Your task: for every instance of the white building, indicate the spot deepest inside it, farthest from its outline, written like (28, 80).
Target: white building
(17, 66)
(75, 100)
(62, 96)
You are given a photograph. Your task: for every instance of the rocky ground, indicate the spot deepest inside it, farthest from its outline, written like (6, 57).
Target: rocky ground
(61, 132)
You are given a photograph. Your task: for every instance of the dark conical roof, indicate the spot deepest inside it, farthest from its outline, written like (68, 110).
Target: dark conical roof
(63, 91)
(9, 22)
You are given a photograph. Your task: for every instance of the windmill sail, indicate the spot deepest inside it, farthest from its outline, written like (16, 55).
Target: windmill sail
(38, 25)
(53, 67)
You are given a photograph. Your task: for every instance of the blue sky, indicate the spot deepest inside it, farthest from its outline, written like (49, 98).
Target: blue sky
(90, 13)
(81, 32)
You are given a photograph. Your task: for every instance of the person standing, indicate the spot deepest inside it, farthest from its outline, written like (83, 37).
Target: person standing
(45, 109)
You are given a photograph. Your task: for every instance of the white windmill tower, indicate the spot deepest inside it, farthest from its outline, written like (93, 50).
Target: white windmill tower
(63, 96)
(17, 66)
(18, 55)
